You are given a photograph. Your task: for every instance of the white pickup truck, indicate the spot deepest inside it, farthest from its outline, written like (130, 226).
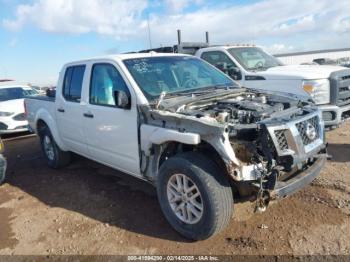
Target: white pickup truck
(186, 127)
(329, 86)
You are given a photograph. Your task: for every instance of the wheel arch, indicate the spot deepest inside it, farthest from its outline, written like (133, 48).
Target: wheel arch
(43, 119)
(173, 148)
(158, 144)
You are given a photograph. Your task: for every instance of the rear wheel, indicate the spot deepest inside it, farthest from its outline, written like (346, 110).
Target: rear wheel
(56, 158)
(195, 197)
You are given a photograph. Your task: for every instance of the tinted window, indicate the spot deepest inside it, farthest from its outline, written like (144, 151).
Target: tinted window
(218, 58)
(73, 82)
(105, 81)
(67, 80)
(16, 93)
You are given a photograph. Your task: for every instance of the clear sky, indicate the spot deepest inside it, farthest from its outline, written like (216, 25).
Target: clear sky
(38, 36)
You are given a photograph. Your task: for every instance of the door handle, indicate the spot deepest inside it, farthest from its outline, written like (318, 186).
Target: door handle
(88, 115)
(61, 110)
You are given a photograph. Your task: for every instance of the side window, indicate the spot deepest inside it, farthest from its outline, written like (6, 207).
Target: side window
(73, 82)
(105, 81)
(67, 80)
(218, 58)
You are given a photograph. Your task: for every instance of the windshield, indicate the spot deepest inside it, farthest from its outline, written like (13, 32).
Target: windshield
(176, 74)
(16, 93)
(253, 58)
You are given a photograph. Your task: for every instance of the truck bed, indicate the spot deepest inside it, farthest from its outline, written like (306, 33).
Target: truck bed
(43, 97)
(39, 105)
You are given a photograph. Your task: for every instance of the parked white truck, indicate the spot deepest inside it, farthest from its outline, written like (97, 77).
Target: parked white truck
(252, 67)
(184, 126)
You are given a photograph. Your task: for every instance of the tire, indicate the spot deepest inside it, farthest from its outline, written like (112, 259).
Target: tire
(214, 206)
(55, 157)
(3, 165)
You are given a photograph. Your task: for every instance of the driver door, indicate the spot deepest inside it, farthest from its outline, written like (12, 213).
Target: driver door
(222, 61)
(111, 132)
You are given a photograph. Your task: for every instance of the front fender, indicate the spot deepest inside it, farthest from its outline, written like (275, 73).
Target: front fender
(157, 135)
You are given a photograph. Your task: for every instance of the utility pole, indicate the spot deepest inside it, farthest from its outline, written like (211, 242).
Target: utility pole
(149, 33)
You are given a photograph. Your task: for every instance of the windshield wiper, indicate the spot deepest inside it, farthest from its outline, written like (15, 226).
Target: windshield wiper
(206, 90)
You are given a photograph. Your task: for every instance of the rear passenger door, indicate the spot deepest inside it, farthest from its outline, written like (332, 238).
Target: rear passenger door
(69, 108)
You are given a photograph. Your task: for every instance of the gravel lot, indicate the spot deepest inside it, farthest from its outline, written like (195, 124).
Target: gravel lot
(83, 210)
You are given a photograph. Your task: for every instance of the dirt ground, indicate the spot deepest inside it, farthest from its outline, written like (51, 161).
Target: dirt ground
(83, 210)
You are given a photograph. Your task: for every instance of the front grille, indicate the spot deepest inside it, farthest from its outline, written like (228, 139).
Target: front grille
(3, 126)
(340, 87)
(281, 139)
(344, 95)
(304, 132)
(299, 138)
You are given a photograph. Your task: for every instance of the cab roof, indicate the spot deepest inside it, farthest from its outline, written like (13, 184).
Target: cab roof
(122, 57)
(229, 46)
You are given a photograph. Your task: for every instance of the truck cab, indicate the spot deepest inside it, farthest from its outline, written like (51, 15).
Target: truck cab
(252, 67)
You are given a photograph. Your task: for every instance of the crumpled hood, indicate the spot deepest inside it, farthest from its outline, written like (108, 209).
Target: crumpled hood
(299, 72)
(15, 106)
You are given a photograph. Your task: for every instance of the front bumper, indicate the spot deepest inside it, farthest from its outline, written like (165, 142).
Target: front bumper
(304, 178)
(3, 165)
(13, 131)
(9, 126)
(334, 115)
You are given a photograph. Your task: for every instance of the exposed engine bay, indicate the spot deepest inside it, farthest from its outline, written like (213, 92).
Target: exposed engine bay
(245, 113)
(243, 109)
(263, 138)
(245, 117)
(248, 108)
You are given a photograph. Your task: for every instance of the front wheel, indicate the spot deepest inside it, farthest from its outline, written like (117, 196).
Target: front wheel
(56, 158)
(195, 196)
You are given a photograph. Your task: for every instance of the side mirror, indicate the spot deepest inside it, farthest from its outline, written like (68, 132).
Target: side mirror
(51, 92)
(235, 73)
(122, 100)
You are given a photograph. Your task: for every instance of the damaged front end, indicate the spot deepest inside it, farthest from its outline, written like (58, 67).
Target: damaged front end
(266, 143)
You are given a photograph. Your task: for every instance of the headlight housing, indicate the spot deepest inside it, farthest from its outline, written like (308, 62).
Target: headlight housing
(319, 90)
(6, 113)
